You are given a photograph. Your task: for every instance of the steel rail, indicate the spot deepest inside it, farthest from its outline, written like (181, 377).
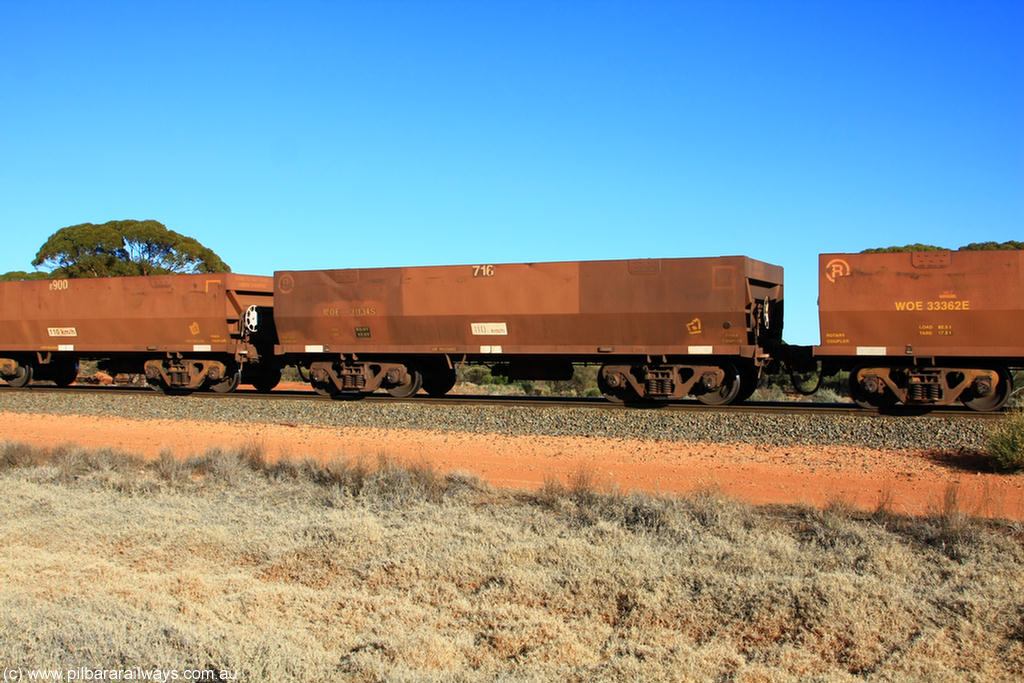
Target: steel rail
(795, 408)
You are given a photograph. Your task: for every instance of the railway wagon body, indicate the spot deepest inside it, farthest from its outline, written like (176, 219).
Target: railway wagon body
(925, 327)
(660, 328)
(182, 331)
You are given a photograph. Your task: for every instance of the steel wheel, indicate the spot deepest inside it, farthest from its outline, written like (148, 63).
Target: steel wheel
(413, 383)
(866, 400)
(748, 384)
(996, 399)
(727, 392)
(323, 388)
(65, 374)
(22, 377)
(439, 382)
(266, 379)
(619, 393)
(228, 384)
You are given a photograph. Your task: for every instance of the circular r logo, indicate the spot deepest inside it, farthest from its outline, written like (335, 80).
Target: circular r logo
(836, 268)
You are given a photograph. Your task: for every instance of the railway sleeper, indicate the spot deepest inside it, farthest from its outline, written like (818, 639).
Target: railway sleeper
(977, 388)
(183, 374)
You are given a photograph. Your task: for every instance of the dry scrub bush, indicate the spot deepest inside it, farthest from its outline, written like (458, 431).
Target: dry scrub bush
(950, 528)
(550, 494)
(13, 454)
(169, 468)
(1005, 446)
(222, 466)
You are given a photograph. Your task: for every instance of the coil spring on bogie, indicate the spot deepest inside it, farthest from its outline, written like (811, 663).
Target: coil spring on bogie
(177, 374)
(659, 387)
(925, 391)
(350, 381)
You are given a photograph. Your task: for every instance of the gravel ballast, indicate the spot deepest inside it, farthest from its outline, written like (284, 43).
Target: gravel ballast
(770, 429)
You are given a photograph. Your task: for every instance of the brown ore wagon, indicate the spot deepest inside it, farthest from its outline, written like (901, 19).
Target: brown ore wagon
(660, 328)
(925, 327)
(183, 332)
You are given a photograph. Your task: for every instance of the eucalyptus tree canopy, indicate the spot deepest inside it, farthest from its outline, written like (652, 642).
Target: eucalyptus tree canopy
(22, 275)
(124, 248)
(973, 246)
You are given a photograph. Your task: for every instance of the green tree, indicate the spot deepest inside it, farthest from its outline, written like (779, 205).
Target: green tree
(973, 246)
(909, 247)
(22, 275)
(986, 246)
(124, 248)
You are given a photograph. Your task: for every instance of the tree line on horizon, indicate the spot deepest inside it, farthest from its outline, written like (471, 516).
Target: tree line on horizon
(973, 246)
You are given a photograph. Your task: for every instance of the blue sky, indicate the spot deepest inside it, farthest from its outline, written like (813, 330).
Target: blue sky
(335, 134)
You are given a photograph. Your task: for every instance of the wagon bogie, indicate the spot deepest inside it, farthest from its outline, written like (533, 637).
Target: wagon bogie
(345, 379)
(185, 374)
(885, 386)
(712, 384)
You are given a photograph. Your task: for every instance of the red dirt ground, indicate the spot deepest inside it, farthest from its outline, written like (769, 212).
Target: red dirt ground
(908, 482)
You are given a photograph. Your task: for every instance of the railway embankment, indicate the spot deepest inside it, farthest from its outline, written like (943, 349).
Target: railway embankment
(911, 464)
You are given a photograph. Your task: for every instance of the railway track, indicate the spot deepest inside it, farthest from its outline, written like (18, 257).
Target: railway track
(542, 402)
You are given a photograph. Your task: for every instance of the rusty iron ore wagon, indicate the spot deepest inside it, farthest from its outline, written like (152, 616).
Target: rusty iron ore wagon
(924, 327)
(660, 328)
(183, 332)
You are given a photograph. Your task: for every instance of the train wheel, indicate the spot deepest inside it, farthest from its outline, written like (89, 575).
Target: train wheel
(997, 396)
(228, 384)
(615, 389)
(22, 377)
(65, 374)
(439, 382)
(727, 392)
(870, 400)
(748, 384)
(413, 382)
(322, 389)
(266, 379)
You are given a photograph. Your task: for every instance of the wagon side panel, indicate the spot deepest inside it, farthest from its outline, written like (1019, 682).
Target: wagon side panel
(942, 304)
(664, 306)
(137, 314)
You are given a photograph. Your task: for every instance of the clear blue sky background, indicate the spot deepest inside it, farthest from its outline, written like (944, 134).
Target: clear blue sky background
(334, 134)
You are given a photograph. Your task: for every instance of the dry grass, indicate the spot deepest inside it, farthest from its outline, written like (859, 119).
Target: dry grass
(1005, 444)
(363, 570)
